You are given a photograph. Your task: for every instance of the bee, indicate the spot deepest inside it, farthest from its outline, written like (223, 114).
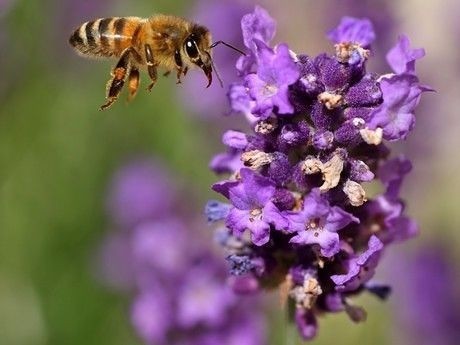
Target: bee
(166, 41)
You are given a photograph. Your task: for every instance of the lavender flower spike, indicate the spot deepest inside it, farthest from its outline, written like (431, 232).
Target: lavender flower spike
(320, 126)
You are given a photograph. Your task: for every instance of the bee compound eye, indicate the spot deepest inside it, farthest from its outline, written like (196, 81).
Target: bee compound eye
(191, 49)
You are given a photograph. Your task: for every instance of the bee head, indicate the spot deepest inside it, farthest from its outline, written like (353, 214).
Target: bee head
(197, 50)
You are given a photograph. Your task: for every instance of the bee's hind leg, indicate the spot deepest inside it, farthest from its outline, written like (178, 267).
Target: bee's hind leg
(119, 73)
(133, 83)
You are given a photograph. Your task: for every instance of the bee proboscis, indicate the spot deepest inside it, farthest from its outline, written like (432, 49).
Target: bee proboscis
(166, 41)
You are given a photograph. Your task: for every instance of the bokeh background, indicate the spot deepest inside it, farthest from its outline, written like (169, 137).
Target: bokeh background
(58, 154)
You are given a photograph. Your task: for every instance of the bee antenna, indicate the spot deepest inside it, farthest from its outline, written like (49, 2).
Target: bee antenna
(215, 70)
(228, 45)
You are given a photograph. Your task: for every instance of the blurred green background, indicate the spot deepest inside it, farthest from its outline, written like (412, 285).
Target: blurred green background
(58, 152)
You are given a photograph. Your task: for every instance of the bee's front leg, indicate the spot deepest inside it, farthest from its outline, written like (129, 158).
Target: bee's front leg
(151, 66)
(178, 76)
(181, 72)
(119, 73)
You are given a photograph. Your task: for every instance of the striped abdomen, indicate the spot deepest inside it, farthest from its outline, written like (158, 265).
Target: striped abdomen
(106, 36)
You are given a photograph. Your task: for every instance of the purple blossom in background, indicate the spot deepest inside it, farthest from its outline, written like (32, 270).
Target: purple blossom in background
(319, 126)
(135, 199)
(426, 306)
(162, 257)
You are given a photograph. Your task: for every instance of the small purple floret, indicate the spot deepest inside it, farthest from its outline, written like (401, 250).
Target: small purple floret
(360, 268)
(353, 30)
(269, 87)
(318, 223)
(401, 95)
(257, 25)
(402, 58)
(254, 208)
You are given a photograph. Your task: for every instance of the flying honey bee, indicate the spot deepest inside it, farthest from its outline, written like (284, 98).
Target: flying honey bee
(165, 41)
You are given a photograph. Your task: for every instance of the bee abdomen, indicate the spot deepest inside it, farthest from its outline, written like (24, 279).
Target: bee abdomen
(104, 36)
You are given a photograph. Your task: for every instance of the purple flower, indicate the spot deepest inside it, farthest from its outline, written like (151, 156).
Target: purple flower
(240, 100)
(426, 306)
(161, 256)
(258, 25)
(402, 58)
(226, 162)
(151, 315)
(253, 207)
(366, 92)
(386, 220)
(361, 268)
(360, 172)
(159, 245)
(401, 95)
(318, 223)
(306, 323)
(353, 30)
(352, 36)
(299, 187)
(116, 264)
(392, 175)
(240, 264)
(203, 300)
(269, 87)
(136, 197)
(235, 139)
(247, 330)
